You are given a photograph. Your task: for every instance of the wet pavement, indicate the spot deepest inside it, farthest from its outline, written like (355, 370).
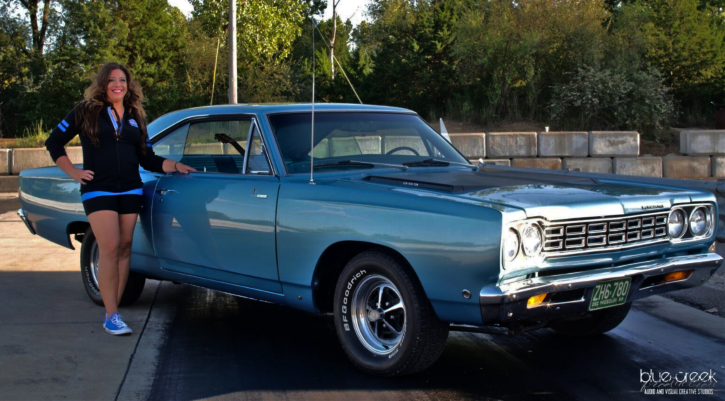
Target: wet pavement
(222, 347)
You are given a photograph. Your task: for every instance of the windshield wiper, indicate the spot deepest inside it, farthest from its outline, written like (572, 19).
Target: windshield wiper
(359, 163)
(437, 162)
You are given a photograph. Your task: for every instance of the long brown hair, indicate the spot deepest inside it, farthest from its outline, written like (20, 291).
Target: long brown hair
(95, 98)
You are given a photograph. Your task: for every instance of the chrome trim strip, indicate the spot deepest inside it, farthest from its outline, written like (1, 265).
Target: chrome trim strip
(603, 241)
(598, 228)
(608, 248)
(575, 246)
(560, 231)
(576, 230)
(24, 217)
(607, 219)
(622, 237)
(520, 290)
(618, 228)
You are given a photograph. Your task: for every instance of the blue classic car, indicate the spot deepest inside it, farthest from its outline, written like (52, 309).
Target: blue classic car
(379, 221)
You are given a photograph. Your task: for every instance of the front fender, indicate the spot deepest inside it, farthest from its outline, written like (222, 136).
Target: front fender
(450, 246)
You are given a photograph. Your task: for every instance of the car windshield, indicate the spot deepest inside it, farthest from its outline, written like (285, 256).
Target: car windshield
(345, 141)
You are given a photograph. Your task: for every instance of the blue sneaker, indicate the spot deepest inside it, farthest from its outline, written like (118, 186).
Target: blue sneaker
(115, 325)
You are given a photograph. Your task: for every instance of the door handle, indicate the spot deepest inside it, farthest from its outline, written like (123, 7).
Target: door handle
(165, 191)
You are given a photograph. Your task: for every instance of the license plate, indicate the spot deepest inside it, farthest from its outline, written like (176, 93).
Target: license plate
(611, 293)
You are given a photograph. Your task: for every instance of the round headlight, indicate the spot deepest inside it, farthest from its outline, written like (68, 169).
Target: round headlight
(531, 239)
(699, 221)
(676, 223)
(510, 245)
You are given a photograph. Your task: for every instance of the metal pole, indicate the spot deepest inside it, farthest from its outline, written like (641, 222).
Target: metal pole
(312, 133)
(232, 51)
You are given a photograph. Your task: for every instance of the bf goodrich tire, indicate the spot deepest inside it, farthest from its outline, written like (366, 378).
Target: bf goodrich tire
(89, 273)
(599, 322)
(383, 319)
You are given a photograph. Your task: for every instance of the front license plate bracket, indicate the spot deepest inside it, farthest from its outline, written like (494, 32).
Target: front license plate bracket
(610, 293)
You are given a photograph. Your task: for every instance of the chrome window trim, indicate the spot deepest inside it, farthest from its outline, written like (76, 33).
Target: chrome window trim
(218, 117)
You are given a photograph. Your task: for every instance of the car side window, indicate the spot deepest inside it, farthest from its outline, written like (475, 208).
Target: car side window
(217, 146)
(257, 162)
(172, 145)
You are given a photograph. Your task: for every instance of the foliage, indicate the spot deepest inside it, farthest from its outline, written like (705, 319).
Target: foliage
(35, 136)
(606, 64)
(612, 100)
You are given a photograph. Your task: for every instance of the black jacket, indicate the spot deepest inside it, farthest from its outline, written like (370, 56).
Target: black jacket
(114, 161)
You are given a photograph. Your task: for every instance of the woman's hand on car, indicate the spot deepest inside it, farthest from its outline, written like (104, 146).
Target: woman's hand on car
(81, 175)
(183, 168)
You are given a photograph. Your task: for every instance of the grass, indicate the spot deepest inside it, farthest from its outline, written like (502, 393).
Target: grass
(35, 136)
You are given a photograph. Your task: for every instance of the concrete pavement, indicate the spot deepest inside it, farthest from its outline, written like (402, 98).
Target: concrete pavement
(52, 344)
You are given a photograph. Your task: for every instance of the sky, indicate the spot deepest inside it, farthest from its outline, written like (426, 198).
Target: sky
(353, 9)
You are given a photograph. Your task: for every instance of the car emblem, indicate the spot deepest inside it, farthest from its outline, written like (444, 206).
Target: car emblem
(650, 207)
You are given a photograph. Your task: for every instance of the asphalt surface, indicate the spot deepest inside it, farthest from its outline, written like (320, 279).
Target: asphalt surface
(222, 347)
(192, 343)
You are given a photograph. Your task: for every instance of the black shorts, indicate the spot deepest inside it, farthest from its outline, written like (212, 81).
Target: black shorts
(121, 204)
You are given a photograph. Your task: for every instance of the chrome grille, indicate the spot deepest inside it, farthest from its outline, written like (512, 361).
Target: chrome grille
(601, 234)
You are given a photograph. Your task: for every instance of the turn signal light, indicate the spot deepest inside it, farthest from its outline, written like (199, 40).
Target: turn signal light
(535, 300)
(677, 276)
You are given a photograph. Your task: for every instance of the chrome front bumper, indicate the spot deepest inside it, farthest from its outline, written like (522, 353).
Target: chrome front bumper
(508, 303)
(24, 217)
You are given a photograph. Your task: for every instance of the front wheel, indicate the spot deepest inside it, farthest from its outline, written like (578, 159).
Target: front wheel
(383, 319)
(599, 322)
(89, 271)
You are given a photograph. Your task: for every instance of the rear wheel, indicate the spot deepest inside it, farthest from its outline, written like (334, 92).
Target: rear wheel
(89, 271)
(385, 323)
(599, 322)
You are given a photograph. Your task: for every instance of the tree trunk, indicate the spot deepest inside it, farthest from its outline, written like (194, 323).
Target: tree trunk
(38, 32)
(332, 39)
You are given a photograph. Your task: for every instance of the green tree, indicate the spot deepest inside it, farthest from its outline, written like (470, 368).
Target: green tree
(684, 43)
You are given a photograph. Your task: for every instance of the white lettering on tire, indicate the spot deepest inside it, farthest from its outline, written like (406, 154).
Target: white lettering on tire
(347, 294)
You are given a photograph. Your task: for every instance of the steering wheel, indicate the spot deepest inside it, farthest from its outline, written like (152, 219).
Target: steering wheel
(391, 151)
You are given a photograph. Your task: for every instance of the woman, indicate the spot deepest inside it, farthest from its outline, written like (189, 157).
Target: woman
(111, 124)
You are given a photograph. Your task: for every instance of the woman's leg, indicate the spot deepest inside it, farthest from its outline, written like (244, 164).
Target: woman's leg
(105, 226)
(127, 223)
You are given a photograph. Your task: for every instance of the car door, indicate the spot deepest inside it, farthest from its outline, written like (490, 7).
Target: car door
(218, 223)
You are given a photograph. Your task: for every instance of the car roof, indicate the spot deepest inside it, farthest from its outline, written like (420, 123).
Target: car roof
(173, 117)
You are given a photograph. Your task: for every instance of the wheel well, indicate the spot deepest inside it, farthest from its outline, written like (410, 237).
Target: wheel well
(78, 228)
(331, 263)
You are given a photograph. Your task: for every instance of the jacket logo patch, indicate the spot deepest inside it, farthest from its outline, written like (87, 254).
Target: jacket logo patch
(133, 123)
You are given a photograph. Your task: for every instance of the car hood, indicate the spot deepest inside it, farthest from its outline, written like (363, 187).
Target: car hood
(553, 196)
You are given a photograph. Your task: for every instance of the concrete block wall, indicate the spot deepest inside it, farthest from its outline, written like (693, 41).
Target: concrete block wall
(5, 159)
(563, 144)
(613, 143)
(694, 167)
(471, 145)
(702, 142)
(646, 166)
(13, 161)
(511, 144)
(588, 164)
(597, 152)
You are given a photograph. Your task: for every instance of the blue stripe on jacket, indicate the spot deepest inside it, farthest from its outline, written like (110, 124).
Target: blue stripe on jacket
(95, 194)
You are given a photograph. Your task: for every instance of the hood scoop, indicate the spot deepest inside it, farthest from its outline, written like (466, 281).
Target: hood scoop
(469, 181)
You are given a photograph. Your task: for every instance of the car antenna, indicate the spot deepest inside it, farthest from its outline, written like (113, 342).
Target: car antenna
(312, 133)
